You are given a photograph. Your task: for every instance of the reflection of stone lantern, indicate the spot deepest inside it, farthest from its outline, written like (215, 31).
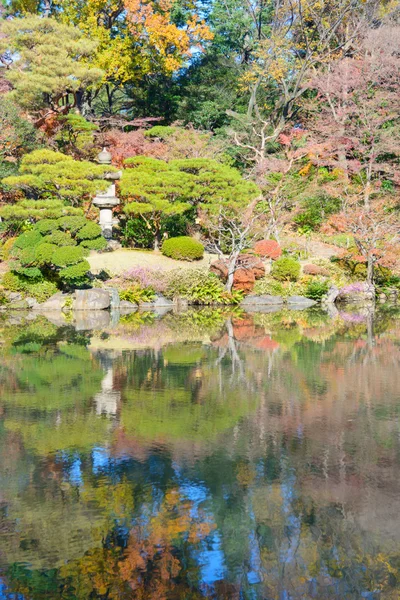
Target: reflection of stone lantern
(106, 201)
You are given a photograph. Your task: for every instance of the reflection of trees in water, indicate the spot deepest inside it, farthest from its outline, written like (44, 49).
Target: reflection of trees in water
(289, 429)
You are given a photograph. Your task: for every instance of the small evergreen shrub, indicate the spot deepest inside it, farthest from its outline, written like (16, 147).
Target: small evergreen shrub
(63, 257)
(99, 243)
(46, 226)
(59, 238)
(75, 275)
(316, 289)
(183, 248)
(89, 232)
(28, 239)
(71, 223)
(286, 268)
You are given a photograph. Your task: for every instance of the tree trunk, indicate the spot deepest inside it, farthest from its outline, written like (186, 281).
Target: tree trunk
(157, 241)
(231, 271)
(370, 269)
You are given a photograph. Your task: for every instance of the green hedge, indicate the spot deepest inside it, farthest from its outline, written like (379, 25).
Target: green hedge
(286, 268)
(183, 248)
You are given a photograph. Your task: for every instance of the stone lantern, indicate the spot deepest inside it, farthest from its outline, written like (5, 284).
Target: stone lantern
(106, 201)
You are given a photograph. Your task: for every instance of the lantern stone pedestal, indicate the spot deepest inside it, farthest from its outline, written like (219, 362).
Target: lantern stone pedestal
(105, 203)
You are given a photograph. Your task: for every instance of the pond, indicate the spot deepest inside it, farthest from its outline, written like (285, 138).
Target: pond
(206, 454)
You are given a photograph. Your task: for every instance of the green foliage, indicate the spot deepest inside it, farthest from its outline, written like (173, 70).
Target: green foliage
(29, 239)
(25, 210)
(75, 275)
(44, 171)
(98, 244)
(76, 135)
(71, 223)
(89, 232)
(40, 290)
(51, 60)
(317, 288)
(286, 269)
(199, 286)
(136, 232)
(157, 189)
(44, 253)
(63, 257)
(160, 131)
(60, 238)
(315, 210)
(183, 248)
(47, 226)
(136, 294)
(17, 135)
(55, 258)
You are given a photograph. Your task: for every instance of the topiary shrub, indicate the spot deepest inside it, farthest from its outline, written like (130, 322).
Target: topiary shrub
(183, 248)
(71, 223)
(46, 226)
(286, 268)
(99, 243)
(75, 275)
(89, 232)
(59, 238)
(268, 249)
(40, 257)
(63, 257)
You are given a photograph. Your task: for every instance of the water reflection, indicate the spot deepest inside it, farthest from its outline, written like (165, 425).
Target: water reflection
(202, 455)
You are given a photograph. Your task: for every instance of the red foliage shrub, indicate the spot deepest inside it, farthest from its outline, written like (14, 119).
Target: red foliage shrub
(314, 270)
(123, 145)
(268, 249)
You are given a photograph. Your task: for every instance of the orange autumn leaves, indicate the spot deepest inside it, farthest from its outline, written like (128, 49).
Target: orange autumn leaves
(153, 565)
(152, 23)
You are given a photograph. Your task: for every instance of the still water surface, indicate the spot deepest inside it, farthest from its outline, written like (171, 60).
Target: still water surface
(201, 455)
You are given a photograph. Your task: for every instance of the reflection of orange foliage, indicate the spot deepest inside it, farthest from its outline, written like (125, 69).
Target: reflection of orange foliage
(150, 565)
(150, 568)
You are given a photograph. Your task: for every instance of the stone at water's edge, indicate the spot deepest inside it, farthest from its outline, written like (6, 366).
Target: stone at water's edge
(357, 293)
(159, 302)
(115, 301)
(56, 302)
(262, 300)
(300, 302)
(126, 307)
(95, 299)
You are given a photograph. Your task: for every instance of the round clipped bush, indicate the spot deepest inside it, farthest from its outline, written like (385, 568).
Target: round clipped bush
(46, 226)
(89, 231)
(71, 223)
(183, 248)
(75, 274)
(70, 255)
(59, 238)
(44, 253)
(286, 268)
(268, 249)
(29, 239)
(99, 243)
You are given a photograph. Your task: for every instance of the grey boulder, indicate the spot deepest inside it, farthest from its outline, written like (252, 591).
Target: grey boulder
(56, 302)
(300, 302)
(94, 299)
(265, 300)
